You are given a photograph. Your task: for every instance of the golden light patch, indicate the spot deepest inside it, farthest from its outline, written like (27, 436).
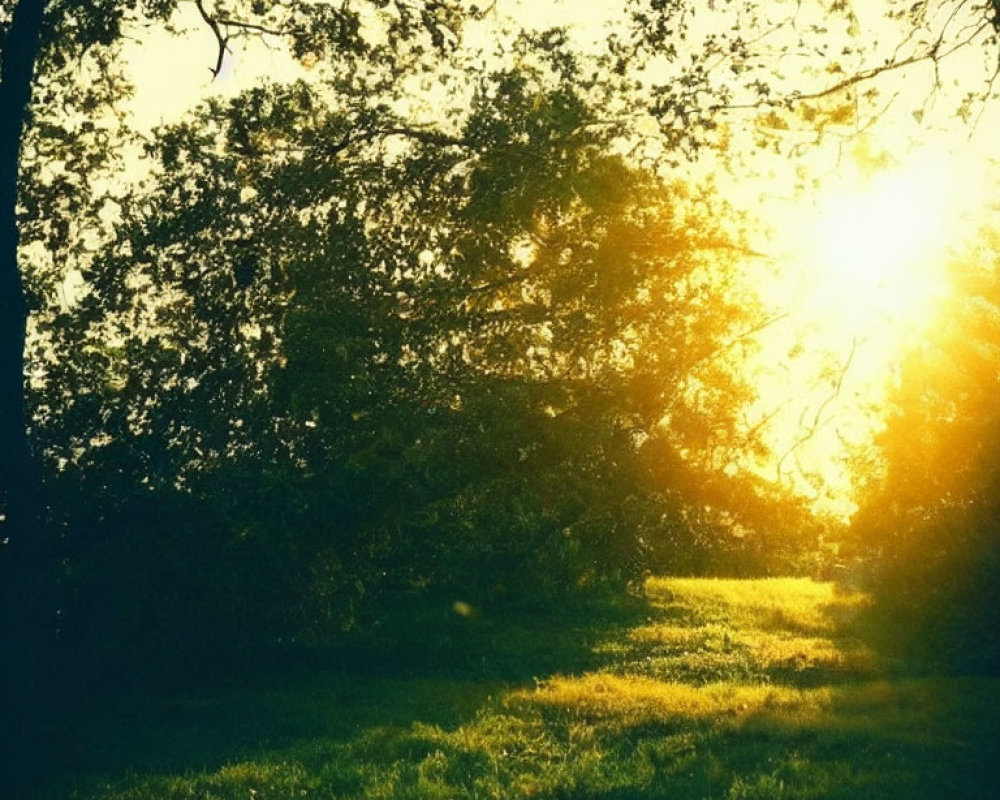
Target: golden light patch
(636, 699)
(777, 651)
(677, 636)
(788, 593)
(796, 604)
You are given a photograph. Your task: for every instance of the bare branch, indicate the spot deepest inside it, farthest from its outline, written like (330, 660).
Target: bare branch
(866, 75)
(817, 421)
(250, 26)
(989, 91)
(222, 28)
(223, 41)
(423, 135)
(751, 434)
(754, 330)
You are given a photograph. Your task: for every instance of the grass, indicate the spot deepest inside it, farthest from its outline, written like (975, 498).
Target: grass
(731, 690)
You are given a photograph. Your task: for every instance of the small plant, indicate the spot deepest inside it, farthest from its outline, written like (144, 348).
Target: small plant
(761, 787)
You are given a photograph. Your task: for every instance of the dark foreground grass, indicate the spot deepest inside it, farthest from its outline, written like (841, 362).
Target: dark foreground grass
(707, 689)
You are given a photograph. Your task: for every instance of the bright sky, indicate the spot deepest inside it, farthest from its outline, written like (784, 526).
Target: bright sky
(854, 252)
(860, 273)
(171, 73)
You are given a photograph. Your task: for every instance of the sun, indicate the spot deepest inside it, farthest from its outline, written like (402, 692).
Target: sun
(876, 244)
(859, 271)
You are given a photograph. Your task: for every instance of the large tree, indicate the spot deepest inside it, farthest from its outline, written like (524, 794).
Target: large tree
(26, 605)
(19, 55)
(401, 355)
(44, 46)
(57, 35)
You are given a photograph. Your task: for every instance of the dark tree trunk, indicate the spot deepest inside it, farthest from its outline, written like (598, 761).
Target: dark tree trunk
(18, 60)
(27, 608)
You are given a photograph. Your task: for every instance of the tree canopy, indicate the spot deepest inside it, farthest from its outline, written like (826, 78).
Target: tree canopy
(409, 357)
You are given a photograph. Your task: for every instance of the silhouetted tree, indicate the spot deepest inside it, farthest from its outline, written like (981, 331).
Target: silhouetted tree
(43, 43)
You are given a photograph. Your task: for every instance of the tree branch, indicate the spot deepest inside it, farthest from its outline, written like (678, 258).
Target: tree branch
(425, 136)
(817, 421)
(933, 54)
(250, 26)
(223, 41)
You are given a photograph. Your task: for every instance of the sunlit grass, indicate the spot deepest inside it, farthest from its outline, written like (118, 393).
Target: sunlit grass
(807, 711)
(786, 603)
(780, 623)
(784, 651)
(635, 700)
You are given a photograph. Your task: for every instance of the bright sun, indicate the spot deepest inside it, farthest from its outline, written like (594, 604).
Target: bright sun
(859, 273)
(878, 243)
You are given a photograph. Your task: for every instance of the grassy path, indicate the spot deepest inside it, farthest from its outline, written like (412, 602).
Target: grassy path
(710, 689)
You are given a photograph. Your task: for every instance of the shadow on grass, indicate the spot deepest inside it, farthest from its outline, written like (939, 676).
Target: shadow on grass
(743, 690)
(421, 661)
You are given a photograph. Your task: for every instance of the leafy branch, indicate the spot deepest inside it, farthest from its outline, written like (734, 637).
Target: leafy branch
(934, 53)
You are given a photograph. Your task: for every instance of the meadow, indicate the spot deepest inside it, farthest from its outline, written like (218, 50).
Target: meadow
(700, 689)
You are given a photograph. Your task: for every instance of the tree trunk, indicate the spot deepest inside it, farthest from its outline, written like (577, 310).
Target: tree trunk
(27, 579)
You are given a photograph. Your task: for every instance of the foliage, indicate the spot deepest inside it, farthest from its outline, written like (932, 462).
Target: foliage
(358, 356)
(62, 196)
(65, 164)
(328, 359)
(712, 73)
(345, 354)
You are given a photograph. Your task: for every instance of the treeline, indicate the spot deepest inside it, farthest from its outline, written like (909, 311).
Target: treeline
(928, 532)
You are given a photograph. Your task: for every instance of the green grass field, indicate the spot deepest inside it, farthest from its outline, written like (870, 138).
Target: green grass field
(724, 689)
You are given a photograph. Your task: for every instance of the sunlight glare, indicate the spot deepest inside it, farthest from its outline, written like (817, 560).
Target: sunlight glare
(859, 274)
(878, 245)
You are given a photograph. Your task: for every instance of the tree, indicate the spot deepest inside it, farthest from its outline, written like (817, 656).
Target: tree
(444, 336)
(56, 36)
(15, 87)
(928, 526)
(26, 599)
(384, 356)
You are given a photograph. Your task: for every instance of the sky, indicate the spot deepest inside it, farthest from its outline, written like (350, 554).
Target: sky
(172, 72)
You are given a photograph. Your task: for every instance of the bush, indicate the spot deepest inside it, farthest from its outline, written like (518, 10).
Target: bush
(936, 585)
